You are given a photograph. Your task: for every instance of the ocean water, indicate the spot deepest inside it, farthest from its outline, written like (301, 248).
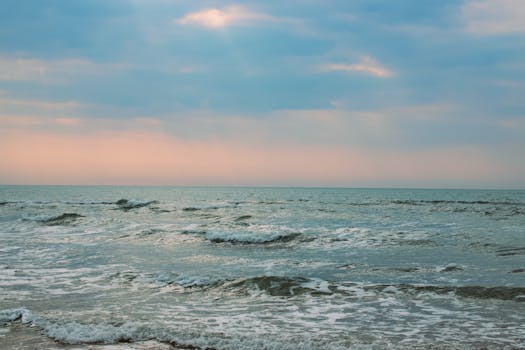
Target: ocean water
(261, 268)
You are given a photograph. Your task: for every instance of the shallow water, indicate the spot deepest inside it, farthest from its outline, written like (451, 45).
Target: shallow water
(263, 268)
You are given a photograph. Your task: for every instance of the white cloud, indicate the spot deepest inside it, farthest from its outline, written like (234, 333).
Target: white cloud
(493, 17)
(367, 65)
(51, 71)
(217, 18)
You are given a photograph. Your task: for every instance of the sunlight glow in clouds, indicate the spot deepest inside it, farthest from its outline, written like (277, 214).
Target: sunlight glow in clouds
(367, 65)
(493, 17)
(216, 18)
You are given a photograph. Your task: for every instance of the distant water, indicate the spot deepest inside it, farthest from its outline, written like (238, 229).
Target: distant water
(263, 268)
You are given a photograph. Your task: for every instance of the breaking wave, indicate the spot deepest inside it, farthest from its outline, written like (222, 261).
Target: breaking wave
(180, 337)
(186, 282)
(290, 286)
(128, 204)
(61, 219)
(281, 286)
(421, 202)
(98, 333)
(251, 237)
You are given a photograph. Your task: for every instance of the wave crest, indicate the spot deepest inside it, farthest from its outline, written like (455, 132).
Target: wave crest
(128, 204)
(61, 219)
(251, 237)
(282, 286)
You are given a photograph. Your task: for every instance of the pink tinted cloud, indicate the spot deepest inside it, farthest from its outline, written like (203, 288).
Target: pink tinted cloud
(367, 65)
(220, 18)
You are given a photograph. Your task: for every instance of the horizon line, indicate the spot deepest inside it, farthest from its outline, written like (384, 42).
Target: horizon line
(279, 186)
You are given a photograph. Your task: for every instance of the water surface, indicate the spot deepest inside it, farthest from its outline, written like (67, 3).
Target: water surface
(264, 268)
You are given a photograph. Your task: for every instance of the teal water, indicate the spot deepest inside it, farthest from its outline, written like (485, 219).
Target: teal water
(266, 268)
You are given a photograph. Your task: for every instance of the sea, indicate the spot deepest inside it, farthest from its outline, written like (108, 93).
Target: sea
(261, 268)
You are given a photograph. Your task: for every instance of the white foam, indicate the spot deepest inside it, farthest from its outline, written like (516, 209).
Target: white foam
(246, 237)
(39, 217)
(135, 203)
(186, 281)
(138, 203)
(77, 333)
(318, 285)
(11, 315)
(190, 227)
(331, 324)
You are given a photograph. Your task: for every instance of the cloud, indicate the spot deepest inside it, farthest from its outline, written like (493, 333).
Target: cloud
(494, 17)
(366, 65)
(217, 18)
(51, 71)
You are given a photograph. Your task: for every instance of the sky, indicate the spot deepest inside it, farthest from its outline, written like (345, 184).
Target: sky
(352, 93)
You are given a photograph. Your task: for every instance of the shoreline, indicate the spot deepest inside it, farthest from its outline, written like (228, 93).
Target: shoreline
(19, 336)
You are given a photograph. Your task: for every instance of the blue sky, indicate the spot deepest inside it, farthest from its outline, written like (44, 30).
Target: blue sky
(418, 79)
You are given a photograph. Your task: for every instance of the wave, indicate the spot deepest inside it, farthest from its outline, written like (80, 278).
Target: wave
(208, 207)
(421, 202)
(497, 210)
(292, 286)
(128, 204)
(58, 220)
(251, 237)
(78, 333)
(11, 315)
(185, 282)
(88, 203)
(269, 202)
(179, 337)
(320, 236)
(182, 282)
(160, 210)
(510, 251)
(191, 209)
(121, 203)
(474, 292)
(151, 231)
(44, 203)
(242, 218)
(120, 329)
(282, 286)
